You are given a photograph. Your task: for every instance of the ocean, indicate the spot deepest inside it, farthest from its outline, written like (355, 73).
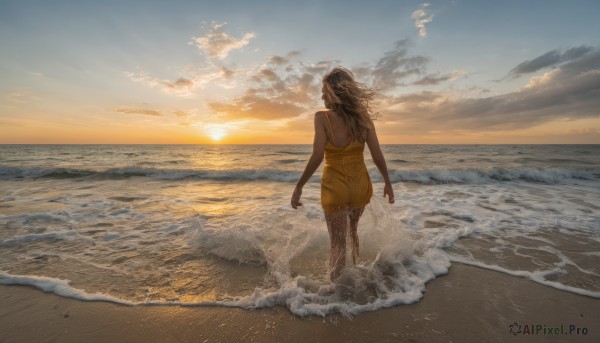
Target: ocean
(212, 225)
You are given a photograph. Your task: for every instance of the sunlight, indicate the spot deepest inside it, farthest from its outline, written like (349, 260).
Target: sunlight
(216, 132)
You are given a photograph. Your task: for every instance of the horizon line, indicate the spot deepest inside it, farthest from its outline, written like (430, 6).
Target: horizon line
(215, 144)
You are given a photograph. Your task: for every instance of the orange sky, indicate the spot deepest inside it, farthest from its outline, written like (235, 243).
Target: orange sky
(255, 77)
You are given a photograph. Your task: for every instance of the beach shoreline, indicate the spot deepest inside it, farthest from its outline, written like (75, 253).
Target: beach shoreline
(467, 304)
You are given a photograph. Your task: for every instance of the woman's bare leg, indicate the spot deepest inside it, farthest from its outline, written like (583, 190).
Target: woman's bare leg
(336, 224)
(354, 215)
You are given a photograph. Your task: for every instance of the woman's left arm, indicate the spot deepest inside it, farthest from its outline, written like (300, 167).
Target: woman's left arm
(379, 160)
(314, 161)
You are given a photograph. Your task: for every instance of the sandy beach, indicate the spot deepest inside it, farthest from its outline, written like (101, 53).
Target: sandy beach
(469, 304)
(299, 171)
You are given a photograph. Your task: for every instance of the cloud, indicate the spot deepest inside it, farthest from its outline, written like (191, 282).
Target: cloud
(536, 81)
(274, 93)
(218, 44)
(265, 75)
(434, 79)
(257, 107)
(143, 111)
(227, 73)
(179, 84)
(280, 60)
(320, 67)
(361, 71)
(182, 86)
(571, 91)
(396, 65)
(548, 59)
(181, 113)
(422, 17)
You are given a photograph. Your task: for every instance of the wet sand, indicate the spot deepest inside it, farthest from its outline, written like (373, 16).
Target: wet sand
(469, 304)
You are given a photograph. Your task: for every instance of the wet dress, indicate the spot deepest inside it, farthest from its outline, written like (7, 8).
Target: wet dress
(345, 182)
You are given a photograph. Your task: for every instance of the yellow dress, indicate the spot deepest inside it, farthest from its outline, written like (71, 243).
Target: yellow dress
(345, 182)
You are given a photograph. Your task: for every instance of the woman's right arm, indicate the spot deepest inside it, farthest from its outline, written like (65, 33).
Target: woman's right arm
(314, 161)
(379, 161)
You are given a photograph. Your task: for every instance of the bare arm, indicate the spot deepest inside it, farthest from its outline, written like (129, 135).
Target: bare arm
(314, 161)
(379, 160)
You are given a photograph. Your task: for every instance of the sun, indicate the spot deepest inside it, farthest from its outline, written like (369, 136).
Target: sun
(216, 132)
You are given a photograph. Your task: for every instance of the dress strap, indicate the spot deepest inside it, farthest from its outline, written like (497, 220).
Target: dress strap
(330, 129)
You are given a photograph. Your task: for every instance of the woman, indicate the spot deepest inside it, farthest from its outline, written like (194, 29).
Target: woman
(340, 134)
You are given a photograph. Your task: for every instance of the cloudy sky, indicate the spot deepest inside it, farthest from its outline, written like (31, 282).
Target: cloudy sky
(458, 71)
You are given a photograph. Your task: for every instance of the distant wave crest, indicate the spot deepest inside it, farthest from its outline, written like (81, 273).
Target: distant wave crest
(549, 175)
(7, 173)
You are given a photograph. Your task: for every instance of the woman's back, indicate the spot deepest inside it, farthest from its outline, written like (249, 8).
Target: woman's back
(345, 182)
(337, 132)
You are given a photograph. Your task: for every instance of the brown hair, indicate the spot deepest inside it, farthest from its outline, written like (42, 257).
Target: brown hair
(350, 99)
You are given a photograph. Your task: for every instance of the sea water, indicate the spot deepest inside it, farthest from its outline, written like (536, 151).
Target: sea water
(213, 225)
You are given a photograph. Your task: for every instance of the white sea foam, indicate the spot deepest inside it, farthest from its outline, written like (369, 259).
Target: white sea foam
(56, 286)
(396, 274)
(406, 254)
(537, 276)
(390, 280)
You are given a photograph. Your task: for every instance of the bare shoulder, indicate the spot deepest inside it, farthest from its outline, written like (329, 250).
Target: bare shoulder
(371, 125)
(372, 140)
(371, 121)
(319, 115)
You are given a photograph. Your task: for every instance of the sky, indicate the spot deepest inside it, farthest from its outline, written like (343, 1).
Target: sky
(249, 72)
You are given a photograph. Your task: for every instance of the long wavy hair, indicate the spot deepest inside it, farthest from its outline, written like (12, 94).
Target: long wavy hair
(350, 99)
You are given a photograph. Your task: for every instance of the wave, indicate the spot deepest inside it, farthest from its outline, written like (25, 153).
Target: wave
(68, 235)
(293, 152)
(11, 173)
(289, 160)
(57, 286)
(554, 160)
(407, 270)
(549, 175)
(406, 276)
(537, 276)
(401, 262)
(495, 174)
